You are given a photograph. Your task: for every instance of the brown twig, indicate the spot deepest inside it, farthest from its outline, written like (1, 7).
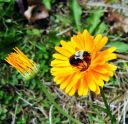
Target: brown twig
(120, 56)
(102, 4)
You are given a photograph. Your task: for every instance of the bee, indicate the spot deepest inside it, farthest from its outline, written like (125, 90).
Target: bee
(79, 57)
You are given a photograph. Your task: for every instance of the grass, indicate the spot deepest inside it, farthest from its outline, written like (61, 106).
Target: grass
(25, 102)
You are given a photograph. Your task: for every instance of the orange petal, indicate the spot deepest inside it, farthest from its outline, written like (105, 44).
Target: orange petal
(61, 72)
(81, 41)
(73, 82)
(67, 46)
(104, 77)
(81, 87)
(85, 92)
(90, 81)
(60, 63)
(110, 67)
(75, 41)
(97, 39)
(101, 43)
(59, 56)
(97, 90)
(105, 68)
(60, 80)
(72, 91)
(97, 79)
(66, 82)
(63, 51)
(110, 57)
(109, 50)
(88, 41)
(100, 69)
(101, 59)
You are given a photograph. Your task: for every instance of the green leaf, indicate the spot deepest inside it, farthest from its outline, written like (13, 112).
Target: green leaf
(94, 20)
(114, 99)
(1, 94)
(121, 46)
(47, 3)
(5, 0)
(111, 1)
(101, 28)
(18, 110)
(66, 21)
(90, 116)
(33, 32)
(77, 11)
(99, 108)
(96, 109)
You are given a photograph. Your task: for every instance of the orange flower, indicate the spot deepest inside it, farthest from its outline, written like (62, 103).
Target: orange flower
(80, 65)
(22, 63)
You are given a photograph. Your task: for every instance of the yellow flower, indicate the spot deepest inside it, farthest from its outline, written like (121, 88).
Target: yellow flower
(80, 65)
(22, 63)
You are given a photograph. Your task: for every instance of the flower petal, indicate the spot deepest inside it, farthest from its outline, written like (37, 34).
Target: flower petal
(76, 42)
(81, 88)
(60, 80)
(97, 79)
(60, 63)
(110, 67)
(100, 69)
(89, 45)
(97, 90)
(63, 51)
(73, 82)
(101, 43)
(67, 46)
(97, 39)
(90, 81)
(60, 56)
(65, 83)
(101, 59)
(104, 77)
(110, 57)
(72, 91)
(62, 72)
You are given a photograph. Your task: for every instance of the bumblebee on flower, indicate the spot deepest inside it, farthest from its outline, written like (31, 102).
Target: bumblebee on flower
(80, 65)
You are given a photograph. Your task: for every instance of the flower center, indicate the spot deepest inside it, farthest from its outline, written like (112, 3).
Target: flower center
(81, 60)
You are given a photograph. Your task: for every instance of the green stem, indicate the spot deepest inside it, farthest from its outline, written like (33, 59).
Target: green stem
(112, 117)
(50, 97)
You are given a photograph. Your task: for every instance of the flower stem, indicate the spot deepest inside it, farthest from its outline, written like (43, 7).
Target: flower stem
(112, 117)
(50, 97)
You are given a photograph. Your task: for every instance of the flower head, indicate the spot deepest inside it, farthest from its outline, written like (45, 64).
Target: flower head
(80, 65)
(22, 63)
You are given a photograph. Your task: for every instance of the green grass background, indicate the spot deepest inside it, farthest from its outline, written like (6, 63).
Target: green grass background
(24, 102)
